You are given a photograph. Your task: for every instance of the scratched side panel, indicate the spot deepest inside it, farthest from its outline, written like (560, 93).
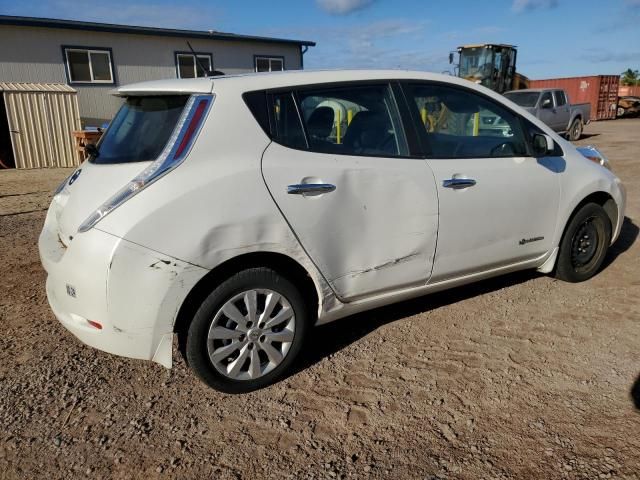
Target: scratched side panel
(376, 232)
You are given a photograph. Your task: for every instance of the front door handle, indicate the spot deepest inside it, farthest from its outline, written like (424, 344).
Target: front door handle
(310, 188)
(458, 183)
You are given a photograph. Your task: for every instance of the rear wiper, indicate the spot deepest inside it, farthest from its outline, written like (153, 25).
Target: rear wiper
(91, 150)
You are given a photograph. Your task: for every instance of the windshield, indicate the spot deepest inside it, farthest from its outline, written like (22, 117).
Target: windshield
(140, 129)
(476, 63)
(524, 99)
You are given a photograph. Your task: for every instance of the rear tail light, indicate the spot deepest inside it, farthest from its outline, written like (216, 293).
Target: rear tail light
(174, 153)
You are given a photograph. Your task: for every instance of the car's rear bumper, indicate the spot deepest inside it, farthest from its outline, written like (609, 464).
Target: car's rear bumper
(114, 295)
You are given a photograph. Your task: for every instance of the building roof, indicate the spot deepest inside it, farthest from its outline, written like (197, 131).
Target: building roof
(35, 87)
(132, 29)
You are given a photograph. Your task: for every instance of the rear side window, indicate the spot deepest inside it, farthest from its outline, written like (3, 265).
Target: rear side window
(457, 123)
(560, 98)
(354, 120)
(140, 129)
(287, 129)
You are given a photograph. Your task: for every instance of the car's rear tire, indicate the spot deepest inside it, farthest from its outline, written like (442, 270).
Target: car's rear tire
(575, 131)
(260, 313)
(584, 244)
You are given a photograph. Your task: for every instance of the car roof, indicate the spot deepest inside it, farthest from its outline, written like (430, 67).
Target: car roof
(271, 80)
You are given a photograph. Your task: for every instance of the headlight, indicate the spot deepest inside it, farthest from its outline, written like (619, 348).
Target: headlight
(595, 155)
(173, 154)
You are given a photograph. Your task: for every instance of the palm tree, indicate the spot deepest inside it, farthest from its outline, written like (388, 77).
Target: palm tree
(631, 77)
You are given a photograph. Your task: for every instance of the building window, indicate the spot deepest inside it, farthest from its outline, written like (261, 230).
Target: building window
(89, 65)
(188, 67)
(269, 64)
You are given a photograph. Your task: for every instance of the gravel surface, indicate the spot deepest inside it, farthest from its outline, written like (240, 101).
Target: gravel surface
(518, 377)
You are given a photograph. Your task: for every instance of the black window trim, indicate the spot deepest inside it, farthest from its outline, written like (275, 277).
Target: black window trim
(413, 146)
(423, 138)
(99, 83)
(305, 132)
(268, 57)
(190, 53)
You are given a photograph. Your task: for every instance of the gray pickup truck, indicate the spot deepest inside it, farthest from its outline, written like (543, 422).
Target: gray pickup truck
(553, 108)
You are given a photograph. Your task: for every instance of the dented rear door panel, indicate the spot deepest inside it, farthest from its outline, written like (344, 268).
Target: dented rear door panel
(375, 232)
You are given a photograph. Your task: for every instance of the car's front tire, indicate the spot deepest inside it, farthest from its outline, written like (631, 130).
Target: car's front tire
(247, 332)
(584, 244)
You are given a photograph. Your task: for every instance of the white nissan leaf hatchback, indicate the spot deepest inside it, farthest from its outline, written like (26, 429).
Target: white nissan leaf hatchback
(238, 212)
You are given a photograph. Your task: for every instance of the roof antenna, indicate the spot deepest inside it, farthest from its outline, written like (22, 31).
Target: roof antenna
(207, 72)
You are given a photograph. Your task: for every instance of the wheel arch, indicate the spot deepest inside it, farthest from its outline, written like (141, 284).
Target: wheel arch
(279, 262)
(604, 199)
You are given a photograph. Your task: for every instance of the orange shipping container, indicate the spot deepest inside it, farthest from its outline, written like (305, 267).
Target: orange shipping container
(627, 91)
(601, 91)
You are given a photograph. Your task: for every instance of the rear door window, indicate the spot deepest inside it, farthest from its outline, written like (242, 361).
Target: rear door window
(353, 120)
(140, 130)
(287, 126)
(560, 98)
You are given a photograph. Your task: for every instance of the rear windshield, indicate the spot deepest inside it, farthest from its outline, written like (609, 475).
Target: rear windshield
(140, 129)
(524, 99)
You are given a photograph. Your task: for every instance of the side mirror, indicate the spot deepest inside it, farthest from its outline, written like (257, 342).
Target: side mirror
(546, 103)
(450, 57)
(542, 145)
(91, 150)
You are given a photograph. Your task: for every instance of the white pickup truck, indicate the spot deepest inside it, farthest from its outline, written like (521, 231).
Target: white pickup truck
(553, 108)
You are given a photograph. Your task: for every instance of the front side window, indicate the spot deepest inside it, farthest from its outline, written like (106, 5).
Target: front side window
(89, 65)
(457, 123)
(356, 120)
(269, 64)
(188, 67)
(140, 130)
(546, 101)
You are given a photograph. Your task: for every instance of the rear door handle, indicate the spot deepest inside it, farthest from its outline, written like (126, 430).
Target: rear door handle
(310, 188)
(458, 183)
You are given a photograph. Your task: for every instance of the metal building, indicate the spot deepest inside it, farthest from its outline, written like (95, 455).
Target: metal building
(96, 57)
(36, 121)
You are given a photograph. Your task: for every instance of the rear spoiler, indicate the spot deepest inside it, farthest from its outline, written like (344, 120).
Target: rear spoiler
(185, 86)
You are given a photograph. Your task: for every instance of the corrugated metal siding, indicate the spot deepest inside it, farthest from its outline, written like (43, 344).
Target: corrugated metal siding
(601, 91)
(41, 118)
(628, 91)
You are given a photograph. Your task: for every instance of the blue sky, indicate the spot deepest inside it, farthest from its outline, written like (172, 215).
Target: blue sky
(555, 37)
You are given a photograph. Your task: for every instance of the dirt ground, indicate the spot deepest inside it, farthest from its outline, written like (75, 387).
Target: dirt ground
(518, 377)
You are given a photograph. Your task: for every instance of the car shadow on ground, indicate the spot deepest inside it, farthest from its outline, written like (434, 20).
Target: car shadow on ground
(635, 393)
(585, 136)
(628, 235)
(326, 340)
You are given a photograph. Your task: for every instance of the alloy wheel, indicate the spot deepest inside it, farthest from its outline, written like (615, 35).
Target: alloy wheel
(251, 334)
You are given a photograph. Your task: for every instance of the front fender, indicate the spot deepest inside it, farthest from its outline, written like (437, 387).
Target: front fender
(577, 193)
